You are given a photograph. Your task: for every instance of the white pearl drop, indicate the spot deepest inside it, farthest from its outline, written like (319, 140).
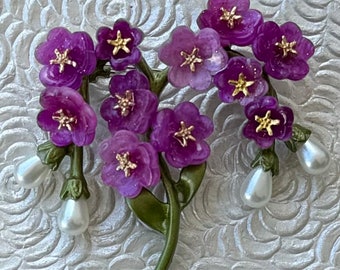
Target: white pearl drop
(31, 172)
(256, 189)
(73, 217)
(313, 157)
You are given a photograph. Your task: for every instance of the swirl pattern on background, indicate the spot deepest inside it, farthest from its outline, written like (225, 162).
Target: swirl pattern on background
(299, 228)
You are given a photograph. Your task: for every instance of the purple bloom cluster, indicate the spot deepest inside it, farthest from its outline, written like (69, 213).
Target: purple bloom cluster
(67, 117)
(284, 50)
(119, 45)
(129, 164)
(180, 134)
(132, 104)
(268, 121)
(66, 57)
(193, 58)
(233, 20)
(241, 80)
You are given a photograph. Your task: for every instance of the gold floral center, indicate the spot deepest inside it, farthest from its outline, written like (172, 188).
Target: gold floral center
(230, 16)
(64, 120)
(241, 85)
(184, 134)
(125, 164)
(191, 59)
(119, 43)
(266, 123)
(62, 59)
(287, 47)
(125, 103)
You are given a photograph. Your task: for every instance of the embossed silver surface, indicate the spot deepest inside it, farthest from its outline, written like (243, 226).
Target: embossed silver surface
(300, 227)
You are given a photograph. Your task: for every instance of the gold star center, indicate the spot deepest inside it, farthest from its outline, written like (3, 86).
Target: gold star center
(241, 85)
(125, 103)
(230, 16)
(184, 134)
(287, 47)
(119, 43)
(266, 123)
(64, 120)
(191, 59)
(62, 59)
(125, 164)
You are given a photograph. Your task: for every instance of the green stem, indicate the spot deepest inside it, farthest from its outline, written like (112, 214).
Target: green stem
(76, 155)
(173, 220)
(75, 186)
(158, 78)
(271, 89)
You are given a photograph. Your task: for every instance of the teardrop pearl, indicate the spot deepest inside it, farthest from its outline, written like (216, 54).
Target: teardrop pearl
(256, 190)
(31, 172)
(313, 157)
(73, 217)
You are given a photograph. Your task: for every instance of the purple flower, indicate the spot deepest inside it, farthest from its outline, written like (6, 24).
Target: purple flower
(233, 20)
(241, 80)
(66, 58)
(132, 105)
(129, 164)
(193, 58)
(67, 117)
(284, 50)
(180, 134)
(267, 121)
(119, 45)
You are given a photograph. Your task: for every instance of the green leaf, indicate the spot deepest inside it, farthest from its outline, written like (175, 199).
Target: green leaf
(268, 160)
(150, 210)
(189, 181)
(51, 155)
(74, 188)
(300, 136)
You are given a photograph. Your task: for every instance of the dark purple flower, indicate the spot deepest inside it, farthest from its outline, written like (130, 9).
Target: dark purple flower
(67, 117)
(180, 134)
(66, 57)
(233, 20)
(241, 80)
(132, 105)
(193, 58)
(129, 164)
(268, 121)
(284, 50)
(119, 45)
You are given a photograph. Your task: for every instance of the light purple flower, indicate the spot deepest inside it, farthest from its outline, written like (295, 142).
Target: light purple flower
(132, 104)
(193, 58)
(66, 57)
(284, 50)
(268, 121)
(233, 20)
(180, 134)
(129, 164)
(119, 45)
(67, 117)
(241, 80)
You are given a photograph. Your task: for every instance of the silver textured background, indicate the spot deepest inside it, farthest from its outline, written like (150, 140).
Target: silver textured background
(300, 227)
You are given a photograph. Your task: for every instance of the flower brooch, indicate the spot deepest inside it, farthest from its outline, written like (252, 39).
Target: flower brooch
(146, 140)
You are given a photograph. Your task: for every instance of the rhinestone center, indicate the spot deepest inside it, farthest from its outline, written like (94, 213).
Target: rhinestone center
(119, 43)
(64, 120)
(183, 135)
(125, 103)
(286, 47)
(62, 59)
(125, 164)
(241, 85)
(266, 123)
(230, 16)
(191, 59)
